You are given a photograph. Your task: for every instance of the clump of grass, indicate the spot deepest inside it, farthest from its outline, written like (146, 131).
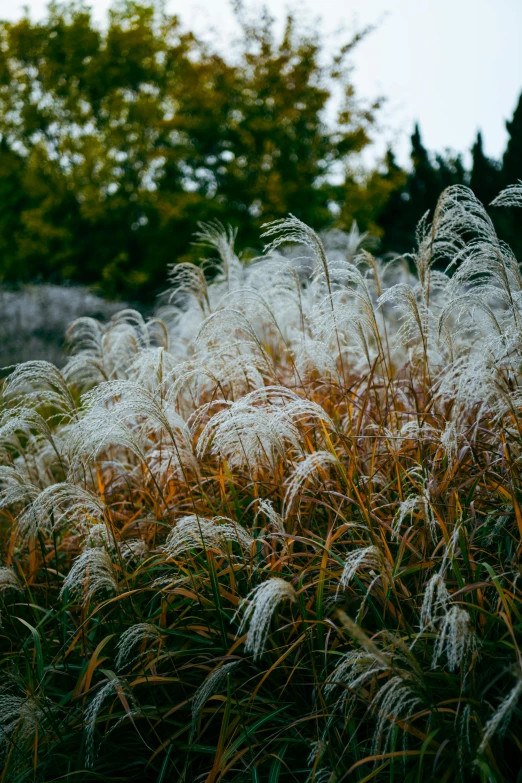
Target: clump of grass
(274, 533)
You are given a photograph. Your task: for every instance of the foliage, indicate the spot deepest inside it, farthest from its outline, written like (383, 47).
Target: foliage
(116, 143)
(274, 532)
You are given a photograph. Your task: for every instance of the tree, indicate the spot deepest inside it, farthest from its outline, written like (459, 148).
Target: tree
(485, 180)
(416, 192)
(512, 160)
(124, 139)
(507, 219)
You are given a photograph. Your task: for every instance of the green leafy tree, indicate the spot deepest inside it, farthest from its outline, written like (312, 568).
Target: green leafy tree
(123, 139)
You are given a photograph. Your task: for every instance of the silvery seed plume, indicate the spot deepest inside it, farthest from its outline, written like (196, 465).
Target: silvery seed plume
(167, 461)
(303, 471)
(214, 235)
(133, 549)
(114, 687)
(394, 701)
(317, 748)
(20, 716)
(435, 602)
(27, 420)
(58, 503)
(209, 687)
(354, 669)
(368, 559)
(226, 324)
(406, 508)
(194, 532)
(9, 580)
(266, 508)
(415, 314)
(89, 361)
(500, 718)
(314, 356)
(262, 603)
(509, 197)
(260, 426)
(98, 430)
(41, 382)
(449, 442)
(188, 280)
(97, 535)
(455, 637)
(131, 638)
(237, 366)
(152, 369)
(134, 400)
(293, 230)
(16, 487)
(91, 572)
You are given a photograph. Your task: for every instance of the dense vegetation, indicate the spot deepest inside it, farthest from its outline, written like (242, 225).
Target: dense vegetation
(273, 534)
(114, 143)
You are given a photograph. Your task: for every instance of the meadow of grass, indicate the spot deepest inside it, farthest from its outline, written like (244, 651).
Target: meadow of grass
(273, 533)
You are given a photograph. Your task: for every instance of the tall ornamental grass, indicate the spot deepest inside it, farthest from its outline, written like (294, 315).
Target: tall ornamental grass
(273, 533)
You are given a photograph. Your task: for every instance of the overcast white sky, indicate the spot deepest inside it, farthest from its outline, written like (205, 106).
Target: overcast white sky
(453, 65)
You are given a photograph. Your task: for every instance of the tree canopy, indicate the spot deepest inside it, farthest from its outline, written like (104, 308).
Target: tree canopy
(116, 142)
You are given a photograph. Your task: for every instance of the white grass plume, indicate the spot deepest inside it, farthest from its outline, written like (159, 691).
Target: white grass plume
(91, 573)
(115, 687)
(16, 488)
(130, 639)
(509, 197)
(260, 426)
(40, 382)
(20, 717)
(57, 504)
(9, 580)
(303, 471)
(266, 508)
(262, 602)
(194, 532)
(368, 559)
(209, 687)
(435, 602)
(500, 718)
(455, 637)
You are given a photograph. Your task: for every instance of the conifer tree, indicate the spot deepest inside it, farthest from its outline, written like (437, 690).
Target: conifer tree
(512, 160)
(485, 180)
(507, 219)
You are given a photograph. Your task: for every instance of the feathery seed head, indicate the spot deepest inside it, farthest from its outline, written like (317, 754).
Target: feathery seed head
(91, 572)
(261, 605)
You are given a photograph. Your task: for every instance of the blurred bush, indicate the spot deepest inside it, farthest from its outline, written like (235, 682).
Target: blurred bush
(35, 319)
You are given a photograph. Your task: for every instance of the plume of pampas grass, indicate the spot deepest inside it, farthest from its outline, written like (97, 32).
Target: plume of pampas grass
(260, 426)
(58, 503)
(194, 532)
(91, 573)
(501, 716)
(303, 471)
(261, 604)
(114, 687)
(20, 717)
(9, 580)
(131, 638)
(209, 687)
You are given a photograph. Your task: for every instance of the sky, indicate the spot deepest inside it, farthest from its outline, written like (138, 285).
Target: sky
(454, 66)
